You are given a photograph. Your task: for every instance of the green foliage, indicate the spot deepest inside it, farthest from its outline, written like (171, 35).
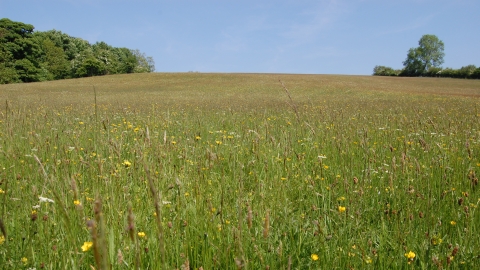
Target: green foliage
(28, 56)
(27, 71)
(8, 74)
(467, 71)
(144, 63)
(425, 60)
(91, 67)
(54, 60)
(385, 71)
(428, 54)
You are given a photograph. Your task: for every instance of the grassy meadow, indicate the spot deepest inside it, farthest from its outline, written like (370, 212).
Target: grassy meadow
(237, 171)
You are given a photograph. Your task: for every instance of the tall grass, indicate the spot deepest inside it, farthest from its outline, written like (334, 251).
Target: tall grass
(192, 171)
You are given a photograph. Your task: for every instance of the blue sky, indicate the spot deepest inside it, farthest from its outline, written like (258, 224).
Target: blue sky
(282, 36)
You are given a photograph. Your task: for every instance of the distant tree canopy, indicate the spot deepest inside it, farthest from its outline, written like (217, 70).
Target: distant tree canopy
(426, 60)
(31, 56)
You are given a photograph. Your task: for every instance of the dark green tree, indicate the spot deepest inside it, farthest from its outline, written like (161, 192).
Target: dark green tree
(429, 53)
(19, 48)
(28, 56)
(91, 67)
(54, 61)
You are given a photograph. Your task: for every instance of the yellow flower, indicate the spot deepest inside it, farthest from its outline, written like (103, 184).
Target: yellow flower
(76, 202)
(198, 138)
(410, 256)
(1, 191)
(342, 209)
(453, 223)
(24, 260)
(368, 260)
(127, 163)
(2, 239)
(87, 246)
(187, 194)
(141, 234)
(314, 257)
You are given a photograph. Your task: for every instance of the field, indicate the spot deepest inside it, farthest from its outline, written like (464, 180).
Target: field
(240, 171)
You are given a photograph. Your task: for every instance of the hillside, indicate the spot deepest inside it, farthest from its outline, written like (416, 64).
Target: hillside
(230, 90)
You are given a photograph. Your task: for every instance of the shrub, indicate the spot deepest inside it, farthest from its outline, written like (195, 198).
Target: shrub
(384, 71)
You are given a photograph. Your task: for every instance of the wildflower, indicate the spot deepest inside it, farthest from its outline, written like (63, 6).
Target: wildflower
(136, 129)
(453, 223)
(314, 257)
(43, 199)
(141, 234)
(2, 239)
(325, 167)
(436, 240)
(342, 209)
(1, 191)
(76, 202)
(174, 142)
(24, 260)
(81, 123)
(368, 260)
(218, 142)
(87, 246)
(34, 215)
(410, 256)
(197, 138)
(127, 163)
(187, 194)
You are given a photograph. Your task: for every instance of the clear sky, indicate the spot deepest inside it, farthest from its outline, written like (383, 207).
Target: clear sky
(271, 36)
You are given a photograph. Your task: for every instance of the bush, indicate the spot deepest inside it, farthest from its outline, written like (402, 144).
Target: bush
(476, 74)
(434, 72)
(384, 71)
(466, 72)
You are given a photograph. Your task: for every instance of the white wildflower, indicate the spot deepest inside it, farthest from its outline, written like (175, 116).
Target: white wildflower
(43, 199)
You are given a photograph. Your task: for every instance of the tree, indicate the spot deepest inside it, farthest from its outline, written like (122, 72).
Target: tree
(144, 63)
(54, 61)
(429, 53)
(467, 71)
(20, 51)
(28, 56)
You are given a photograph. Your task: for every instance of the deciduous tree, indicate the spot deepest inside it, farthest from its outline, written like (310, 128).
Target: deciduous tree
(429, 53)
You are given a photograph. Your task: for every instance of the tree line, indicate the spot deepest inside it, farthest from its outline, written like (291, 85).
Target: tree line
(426, 60)
(32, 56)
